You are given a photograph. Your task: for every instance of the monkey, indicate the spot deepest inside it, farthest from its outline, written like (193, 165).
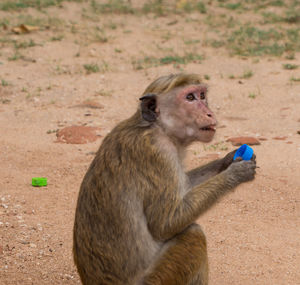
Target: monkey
(137, 206)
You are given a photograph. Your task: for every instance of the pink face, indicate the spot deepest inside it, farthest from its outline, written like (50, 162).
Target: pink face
(193, 120)
(193, 101)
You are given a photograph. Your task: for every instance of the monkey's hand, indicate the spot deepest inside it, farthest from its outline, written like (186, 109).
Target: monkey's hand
(228, 160)
(241, 171)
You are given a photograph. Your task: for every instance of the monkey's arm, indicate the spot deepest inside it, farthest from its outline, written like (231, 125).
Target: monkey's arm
(200, 174)
(204, 172)
(170, 213)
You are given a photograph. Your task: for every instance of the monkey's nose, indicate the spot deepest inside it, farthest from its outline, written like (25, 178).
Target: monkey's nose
(209, 115)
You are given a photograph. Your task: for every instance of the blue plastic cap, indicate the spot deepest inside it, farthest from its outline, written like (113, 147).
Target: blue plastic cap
(245, 152)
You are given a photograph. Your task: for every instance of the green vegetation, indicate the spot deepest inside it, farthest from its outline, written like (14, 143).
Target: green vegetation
(5, 101)
(251, 41)
(9, 5)
(216, 43)
(189, 57)
(247, 74)
(295, 79)
(149, 61)
(57, 38)
(250, 38)
(290, 66)
(233, 6)
(44, 22)
(223, 26)
(191, 42)
(24, 44)
(91, 68)
(112, 6)
(99, 35)
(290, 56)
(200, 6)
(4, 82)
(291, 16)
(21, 4)
(17, 45)
(252, 95)
(94, 67)
(156, 7)
(192, 6)
(277, 3)
(15, 56)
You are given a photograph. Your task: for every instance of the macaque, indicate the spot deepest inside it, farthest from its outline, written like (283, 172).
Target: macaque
(137, 207)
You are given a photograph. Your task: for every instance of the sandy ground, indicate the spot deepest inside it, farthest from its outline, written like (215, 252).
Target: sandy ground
(253, 234)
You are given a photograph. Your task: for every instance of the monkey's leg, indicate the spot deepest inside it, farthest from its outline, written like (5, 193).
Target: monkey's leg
(183, 260)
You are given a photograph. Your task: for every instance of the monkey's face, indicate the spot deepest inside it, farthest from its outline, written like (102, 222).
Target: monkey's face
(184, 113)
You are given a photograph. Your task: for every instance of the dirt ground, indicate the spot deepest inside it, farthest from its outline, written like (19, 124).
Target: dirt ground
(80, 53)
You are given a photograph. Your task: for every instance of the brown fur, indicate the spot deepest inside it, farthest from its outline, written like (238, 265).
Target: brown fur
(134, 221)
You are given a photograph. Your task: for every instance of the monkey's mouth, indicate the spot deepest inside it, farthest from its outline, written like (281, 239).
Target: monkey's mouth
(210, 128)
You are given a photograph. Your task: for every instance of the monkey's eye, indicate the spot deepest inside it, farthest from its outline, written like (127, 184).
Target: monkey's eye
(190, 97)
(202, 95)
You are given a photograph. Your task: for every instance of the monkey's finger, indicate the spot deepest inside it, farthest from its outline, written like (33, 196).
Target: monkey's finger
(238, 159)
(253, 157)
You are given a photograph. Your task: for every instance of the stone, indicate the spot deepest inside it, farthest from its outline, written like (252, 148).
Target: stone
(280, 138)
(236, 141)
(89, 104)
(262, 139)
(77, 135)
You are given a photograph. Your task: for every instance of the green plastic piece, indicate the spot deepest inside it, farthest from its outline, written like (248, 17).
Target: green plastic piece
(39, 181)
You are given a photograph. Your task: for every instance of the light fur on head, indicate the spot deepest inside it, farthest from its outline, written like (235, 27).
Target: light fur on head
(166, 83)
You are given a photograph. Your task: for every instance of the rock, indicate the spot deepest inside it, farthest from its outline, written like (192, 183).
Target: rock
(280, 138)
(243, 140)
(68, 276)
(262, 139)
(89, 104)
(77, 135)
(289, 142)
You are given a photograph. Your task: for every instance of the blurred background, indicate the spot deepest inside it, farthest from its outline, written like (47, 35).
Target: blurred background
(71, 70)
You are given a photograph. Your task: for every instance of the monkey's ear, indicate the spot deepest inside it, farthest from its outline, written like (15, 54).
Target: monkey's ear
(148, 107)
